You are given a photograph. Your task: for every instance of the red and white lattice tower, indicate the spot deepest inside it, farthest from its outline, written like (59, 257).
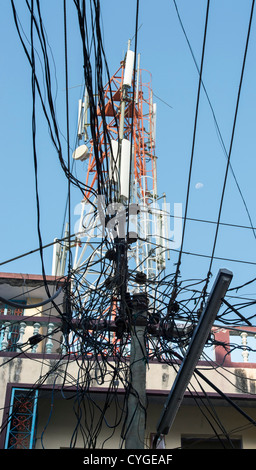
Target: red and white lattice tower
(127, 115)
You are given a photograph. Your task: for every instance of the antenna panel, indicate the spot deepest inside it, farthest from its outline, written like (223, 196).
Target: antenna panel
(128, 73)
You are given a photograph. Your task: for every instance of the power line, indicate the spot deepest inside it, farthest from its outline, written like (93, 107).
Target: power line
(224, 224)
(215, 119)
(217, 257)
(97, 303)
(194, 136)
(233, 133)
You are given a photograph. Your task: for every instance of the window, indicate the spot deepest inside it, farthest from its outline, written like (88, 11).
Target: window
(22, 419)
(210, 443)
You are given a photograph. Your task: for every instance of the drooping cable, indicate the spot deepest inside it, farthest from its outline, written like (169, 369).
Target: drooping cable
(93, 343)
(232, 136)
(215, 120)
(193, 144)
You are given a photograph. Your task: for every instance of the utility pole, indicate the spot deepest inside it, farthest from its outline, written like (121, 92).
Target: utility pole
(129, 120)
(136, 421)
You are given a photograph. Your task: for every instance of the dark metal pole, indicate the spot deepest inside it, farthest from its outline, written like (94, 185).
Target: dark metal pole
(193, 352)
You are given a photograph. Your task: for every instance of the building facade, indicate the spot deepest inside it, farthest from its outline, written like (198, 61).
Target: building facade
(46, 403)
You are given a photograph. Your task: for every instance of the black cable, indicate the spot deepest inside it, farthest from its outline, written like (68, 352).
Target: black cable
(215, 119)
(232, 135)
(193, 140)
(96, 347)
(36, 249)
(40, 304)
(201, 255)
(50, 118)
(212, 222)
(226, 397)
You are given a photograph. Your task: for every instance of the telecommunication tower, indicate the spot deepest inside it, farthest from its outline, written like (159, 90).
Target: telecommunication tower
(119, 218)
(128, 170)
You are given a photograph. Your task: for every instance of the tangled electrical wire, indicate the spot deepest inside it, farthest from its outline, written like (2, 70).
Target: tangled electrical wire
(97, 320)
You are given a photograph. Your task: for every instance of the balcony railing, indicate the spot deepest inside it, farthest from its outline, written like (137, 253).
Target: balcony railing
(43, 336)
(235, 345)
(30, 335)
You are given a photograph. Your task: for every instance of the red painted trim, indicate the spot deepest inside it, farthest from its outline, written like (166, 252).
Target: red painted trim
(29, 277)
(222, 353)
(152, 392)
(30, 318)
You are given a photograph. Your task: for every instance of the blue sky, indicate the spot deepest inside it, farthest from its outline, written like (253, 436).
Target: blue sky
(165, 53)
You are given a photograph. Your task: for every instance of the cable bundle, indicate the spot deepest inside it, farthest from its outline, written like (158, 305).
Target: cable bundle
(97, 318)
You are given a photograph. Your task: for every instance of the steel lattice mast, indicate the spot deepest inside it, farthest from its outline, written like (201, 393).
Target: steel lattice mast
(121, 237)
(124, 203)
(127, 115)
